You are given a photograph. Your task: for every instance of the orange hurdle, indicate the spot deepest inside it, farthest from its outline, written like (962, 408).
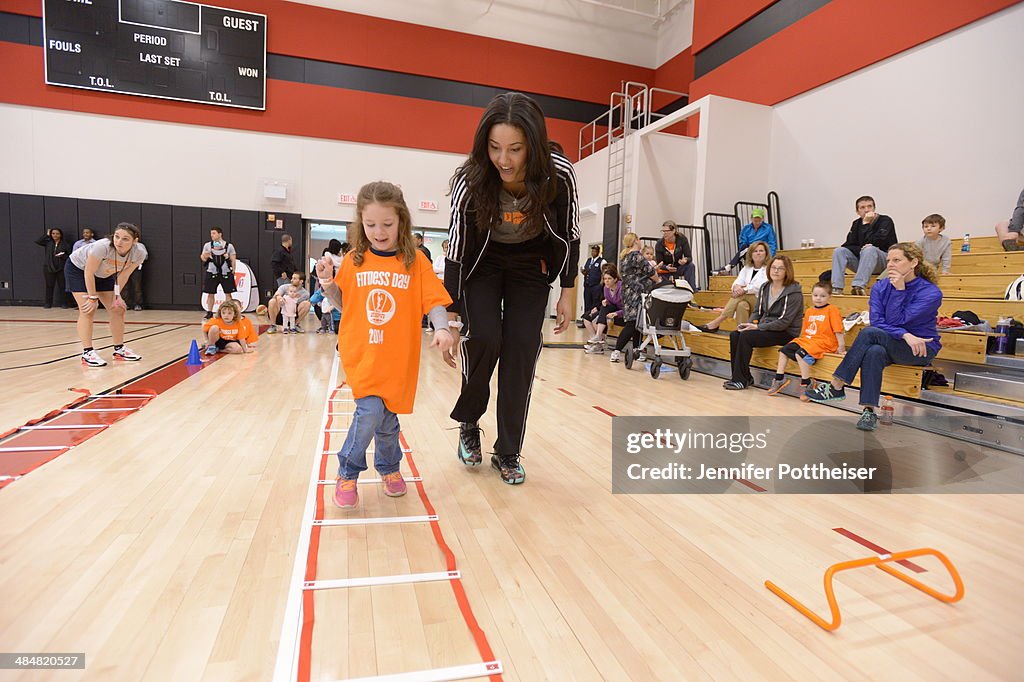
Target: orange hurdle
(879, 561)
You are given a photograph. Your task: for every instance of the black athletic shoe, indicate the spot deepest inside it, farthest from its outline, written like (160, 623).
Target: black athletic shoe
(208, 315)
(469, 444)
(508, 466)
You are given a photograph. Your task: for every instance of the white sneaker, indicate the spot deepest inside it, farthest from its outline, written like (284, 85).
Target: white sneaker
(596, 349)
(92, 359)
(615, 356)
(126, 353)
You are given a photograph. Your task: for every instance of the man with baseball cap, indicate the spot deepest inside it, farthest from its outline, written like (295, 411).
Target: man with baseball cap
(757, 230)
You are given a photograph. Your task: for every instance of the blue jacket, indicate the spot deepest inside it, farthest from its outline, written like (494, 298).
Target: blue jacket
(913, 310)
(766, 233)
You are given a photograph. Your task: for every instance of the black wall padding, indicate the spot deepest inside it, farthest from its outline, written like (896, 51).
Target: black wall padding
(6, 274)
(155, 222)
(245, 236)
(27, 225)
(94, 213)
(62, 213)
(186, 243)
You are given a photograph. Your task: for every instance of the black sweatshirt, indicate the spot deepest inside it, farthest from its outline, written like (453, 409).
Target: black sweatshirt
(881, 232)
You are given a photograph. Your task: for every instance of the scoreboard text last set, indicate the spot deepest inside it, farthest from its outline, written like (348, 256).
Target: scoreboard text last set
(157, 48)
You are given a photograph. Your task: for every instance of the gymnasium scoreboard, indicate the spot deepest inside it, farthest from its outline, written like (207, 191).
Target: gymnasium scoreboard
(169, 49)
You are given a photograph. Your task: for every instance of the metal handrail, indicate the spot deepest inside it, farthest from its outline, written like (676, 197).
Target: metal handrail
(701, 252)
(724, 235)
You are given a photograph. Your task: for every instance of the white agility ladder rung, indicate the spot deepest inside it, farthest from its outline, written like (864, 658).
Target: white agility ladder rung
(458, 672)
(100, 409)
(380, 580)
(407, 479)
(34, 448)
(374, 521)
(120, 395)
(57, 427)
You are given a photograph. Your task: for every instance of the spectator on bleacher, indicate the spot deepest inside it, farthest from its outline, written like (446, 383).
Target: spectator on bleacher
(592, 286)
(1011, 232)
(757, 230)
(638, 277)
(903, 308)
(674, 255)
(600, 317)
(743, 294)
(936, 247)
(870, 237)
(776, 322)
(822, 333)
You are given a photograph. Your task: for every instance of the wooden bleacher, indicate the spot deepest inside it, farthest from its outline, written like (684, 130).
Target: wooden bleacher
(977, 283)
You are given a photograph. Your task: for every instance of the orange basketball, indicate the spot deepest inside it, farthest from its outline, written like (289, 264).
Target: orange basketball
(261, 310)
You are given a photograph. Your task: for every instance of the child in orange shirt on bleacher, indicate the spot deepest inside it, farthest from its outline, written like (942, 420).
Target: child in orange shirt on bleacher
(822, 333)
(385, 285)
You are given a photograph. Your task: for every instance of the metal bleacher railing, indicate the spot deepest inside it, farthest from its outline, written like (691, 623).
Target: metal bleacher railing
(700, 244)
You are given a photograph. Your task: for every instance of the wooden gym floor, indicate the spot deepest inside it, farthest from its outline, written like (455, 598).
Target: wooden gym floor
(163, 548)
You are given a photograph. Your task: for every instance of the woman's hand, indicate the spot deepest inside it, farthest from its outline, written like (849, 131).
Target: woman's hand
(89, 305)
(738, 290)
(119, 304)
(563, 311)
(918, 346)
(746, 327)
(897, 280)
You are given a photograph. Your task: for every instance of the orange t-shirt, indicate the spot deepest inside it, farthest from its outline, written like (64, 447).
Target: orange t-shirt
(248, 331)
(379, 336)
(820, 328)
(228, 332)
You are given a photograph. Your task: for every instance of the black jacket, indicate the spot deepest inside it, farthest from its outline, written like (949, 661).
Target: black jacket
(467, 243)
(51, 261)
(786, 314)
(283, 261)
(881, 233)
(665, 257)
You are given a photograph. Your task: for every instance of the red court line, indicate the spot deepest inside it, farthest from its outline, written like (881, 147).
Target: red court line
(750, 484)
(601, 409)
(878, 549)
(567, 392)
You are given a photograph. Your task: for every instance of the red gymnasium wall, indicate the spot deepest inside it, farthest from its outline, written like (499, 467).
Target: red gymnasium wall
(335, 113)
(840, 38)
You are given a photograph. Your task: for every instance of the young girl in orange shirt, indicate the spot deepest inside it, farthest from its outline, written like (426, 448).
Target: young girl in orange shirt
(387, 286)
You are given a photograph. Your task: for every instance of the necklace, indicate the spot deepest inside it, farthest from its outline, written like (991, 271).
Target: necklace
(515, 199)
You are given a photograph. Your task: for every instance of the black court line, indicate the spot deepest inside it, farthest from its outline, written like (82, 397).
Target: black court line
(68, 343)
(78, 355)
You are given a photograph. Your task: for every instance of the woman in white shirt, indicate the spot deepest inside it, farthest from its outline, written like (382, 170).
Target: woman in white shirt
(96, 274)
(439, 261)
(743, 296)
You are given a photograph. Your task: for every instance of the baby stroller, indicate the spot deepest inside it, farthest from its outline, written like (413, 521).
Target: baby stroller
(661, 315)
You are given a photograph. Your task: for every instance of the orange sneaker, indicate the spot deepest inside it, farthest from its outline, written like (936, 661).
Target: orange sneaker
(345, 495)
(394, 484)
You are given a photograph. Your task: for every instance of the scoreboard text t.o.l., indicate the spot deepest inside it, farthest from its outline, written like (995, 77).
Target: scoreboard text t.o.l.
(157, 48)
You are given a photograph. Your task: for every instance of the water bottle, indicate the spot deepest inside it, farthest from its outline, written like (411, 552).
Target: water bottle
(887, 410)
(1003, 342)
(966, 246)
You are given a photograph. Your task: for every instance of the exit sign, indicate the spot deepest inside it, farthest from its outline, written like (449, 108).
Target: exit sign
(428, 205)
(346, 198)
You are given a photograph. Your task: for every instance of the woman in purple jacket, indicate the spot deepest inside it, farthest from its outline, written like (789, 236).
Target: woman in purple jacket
(597, 319)
(904, 308)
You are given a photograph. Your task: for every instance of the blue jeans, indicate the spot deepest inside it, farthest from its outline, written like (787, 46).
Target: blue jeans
(371, 421)
(872, 351)
(871, 261)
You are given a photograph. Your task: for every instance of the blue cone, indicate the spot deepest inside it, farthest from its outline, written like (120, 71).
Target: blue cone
(193, 355)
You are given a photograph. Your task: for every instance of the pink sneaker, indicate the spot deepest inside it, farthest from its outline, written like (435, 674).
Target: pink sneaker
(345, 495)
(394, 484)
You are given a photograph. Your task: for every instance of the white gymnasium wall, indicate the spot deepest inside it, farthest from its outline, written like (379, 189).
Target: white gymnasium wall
(591, 178)
(60, 153)
(736, 138)
(936, 129)
(666, 184)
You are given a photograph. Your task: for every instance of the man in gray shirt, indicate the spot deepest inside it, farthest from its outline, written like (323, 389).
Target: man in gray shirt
(1010, 231)
(276, 302)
